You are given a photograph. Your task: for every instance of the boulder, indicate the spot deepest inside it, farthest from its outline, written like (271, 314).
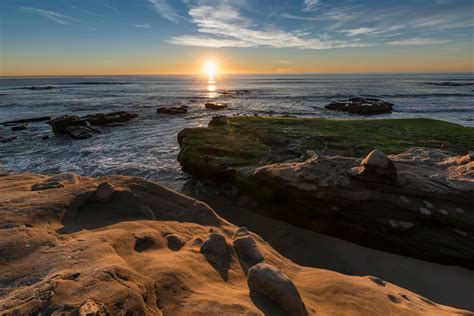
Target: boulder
(269, 281)
(104, 191)
(377, 165)
(60, 124)
(246, 248)
(215, 106)
(363, 106)
(217, 251)
(174, 242)
(173, 110)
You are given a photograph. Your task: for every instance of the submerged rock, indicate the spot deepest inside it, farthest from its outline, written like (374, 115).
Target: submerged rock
(272, 283)
(173, 110)
(109, 118)
(364, 106)
(215, 106)
(19, 127)
(28, 120)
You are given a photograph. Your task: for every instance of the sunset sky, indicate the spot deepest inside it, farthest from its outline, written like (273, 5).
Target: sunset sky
(66, 37)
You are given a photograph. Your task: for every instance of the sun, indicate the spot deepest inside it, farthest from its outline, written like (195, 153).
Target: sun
(210, 68)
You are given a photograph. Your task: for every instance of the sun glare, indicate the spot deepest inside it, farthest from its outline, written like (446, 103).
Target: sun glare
(210, 68)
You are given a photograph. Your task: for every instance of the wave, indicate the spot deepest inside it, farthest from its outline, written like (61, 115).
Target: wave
(443, 110)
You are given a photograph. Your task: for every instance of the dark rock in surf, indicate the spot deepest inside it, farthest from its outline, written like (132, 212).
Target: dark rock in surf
(19, 127)
(28, 120)
(215, 106)
(173, 110)
(362, 106)
(109, 118)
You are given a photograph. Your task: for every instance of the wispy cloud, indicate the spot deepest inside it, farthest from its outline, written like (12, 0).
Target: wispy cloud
(311, 5)
(417, 41)
(228, 28)
(51, 15)
(359, 31)
(163, 8)
(142, 26)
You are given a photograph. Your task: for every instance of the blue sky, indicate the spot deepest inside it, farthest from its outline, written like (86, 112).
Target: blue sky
(316, 34)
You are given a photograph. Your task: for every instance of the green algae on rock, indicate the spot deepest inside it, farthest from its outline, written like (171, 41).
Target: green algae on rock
(309, 172)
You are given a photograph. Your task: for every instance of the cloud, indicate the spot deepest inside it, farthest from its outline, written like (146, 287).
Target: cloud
(360, 31)
(417, 41)
(142, 26)
(229, 29)
(163, 8)
(51, 15)
(286, 62)
(311, 5)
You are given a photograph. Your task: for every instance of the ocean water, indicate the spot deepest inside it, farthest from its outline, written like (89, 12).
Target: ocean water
(147, 146)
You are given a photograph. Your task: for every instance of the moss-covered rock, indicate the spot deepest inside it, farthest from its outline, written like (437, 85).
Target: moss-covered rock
(309, 172)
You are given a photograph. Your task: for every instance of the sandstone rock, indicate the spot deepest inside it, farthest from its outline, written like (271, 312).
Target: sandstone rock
(104, 191)
(174, 242)
(215, 106)
(173, 110)
(47, 185)
(246, 247)
(216, 250)
(269, 281)
(364, 106)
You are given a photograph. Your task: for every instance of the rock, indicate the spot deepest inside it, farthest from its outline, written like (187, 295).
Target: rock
(79, 132)
(174, 242)
(361, 106)
(104, 191)
(377, 165)
(47, 87)
(19, 127)
(443, 212)
(60, 124)
(148, 212)
(28, 120)
(401, 224)
(215, 106)
(90, 308)
(428, 204)
(450, 84)
(216, 250)
(80, 127)
(5, 139)
(47, 185)
(109, 118)
(173, 110)
(269, 281)
(247, 250)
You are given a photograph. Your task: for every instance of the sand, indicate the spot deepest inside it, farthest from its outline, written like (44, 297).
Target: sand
(62, 251)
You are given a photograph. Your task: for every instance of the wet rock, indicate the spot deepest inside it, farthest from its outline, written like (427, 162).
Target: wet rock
(60, 124)
(109, 118)
(48, 87)
(28, 120)
(269, 281)
(47, 185)
(363, 106)
(378, 165)
(19, 127)
(216, 250)
(173, 110)
(215, 106)
(174, 242)
(80, 132)
(6, 139)
(450, 84)
(247, 250)
(104, 191)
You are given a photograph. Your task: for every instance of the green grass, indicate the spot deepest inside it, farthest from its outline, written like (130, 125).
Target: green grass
(231, 142)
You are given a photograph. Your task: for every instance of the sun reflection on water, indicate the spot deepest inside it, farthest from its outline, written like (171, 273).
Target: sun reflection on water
(211, 87)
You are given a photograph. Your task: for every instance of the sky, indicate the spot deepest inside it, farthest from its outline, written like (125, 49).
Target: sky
(100, 37)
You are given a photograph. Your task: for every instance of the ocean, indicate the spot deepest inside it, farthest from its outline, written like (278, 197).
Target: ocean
(147, 146)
